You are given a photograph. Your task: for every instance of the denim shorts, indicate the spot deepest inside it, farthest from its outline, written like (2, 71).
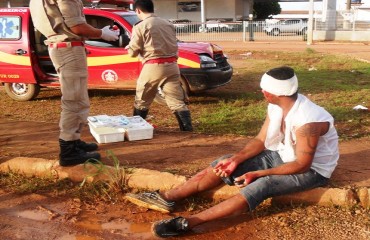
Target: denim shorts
(273, 185)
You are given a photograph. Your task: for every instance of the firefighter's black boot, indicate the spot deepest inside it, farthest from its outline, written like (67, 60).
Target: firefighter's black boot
(141, 113)
(71, 154)
(87, 147)
(184, 119)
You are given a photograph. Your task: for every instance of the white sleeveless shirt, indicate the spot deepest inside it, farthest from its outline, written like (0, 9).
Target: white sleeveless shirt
(303, 111)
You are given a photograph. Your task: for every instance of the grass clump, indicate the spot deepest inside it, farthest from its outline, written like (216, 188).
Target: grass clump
(109, 184)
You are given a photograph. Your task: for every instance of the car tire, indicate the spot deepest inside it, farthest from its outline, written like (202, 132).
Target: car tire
(304, 31)
(159, 98)
(275, 32)
(22, 91)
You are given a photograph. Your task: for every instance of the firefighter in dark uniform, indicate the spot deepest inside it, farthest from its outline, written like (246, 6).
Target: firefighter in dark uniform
(64, 25)
(154, 41)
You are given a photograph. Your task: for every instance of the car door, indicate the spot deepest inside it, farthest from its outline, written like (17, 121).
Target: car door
(15, 52)
(292, 26)
(108, 62)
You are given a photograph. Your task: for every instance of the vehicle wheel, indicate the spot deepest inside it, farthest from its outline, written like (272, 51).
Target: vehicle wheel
(275, 32)
(159, 98)
(304, 31)
(22, 91)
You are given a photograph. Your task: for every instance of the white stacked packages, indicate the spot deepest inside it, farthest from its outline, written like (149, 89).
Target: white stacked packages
(106, 129)
(107, 134)
(138, 129)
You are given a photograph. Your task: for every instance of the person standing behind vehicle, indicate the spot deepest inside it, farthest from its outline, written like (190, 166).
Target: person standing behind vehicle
(154, 40)
(64, 25)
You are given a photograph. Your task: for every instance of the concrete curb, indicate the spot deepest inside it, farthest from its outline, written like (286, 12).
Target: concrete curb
(145, 179)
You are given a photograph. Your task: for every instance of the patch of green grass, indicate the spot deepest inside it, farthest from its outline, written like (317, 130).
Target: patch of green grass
(233, 117)
(310, 51)
(115, 183)
(19, 183)
(22, 184)
(106, 190)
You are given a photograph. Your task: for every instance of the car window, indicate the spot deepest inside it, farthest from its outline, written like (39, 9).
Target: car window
(10, 28)
(100, 22)
(131, 19)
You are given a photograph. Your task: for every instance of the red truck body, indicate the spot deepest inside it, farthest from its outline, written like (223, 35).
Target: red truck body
(25, 65)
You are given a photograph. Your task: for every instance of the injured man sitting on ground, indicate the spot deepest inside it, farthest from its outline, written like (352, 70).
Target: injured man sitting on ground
(295, 150)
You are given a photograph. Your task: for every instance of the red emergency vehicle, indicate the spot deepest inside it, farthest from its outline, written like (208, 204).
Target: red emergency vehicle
(25, 65)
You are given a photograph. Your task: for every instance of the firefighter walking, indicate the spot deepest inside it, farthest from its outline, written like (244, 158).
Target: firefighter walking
(154, 41)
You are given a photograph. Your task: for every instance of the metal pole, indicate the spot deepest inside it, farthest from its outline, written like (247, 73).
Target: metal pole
(244, 32)
(310, 23)
(203, 15)
(346, 23)
(250, 27)
(348, 5)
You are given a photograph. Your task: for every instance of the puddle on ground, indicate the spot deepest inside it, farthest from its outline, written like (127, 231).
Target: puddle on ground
(119, 226)
(76, 237)
(89, 222)
(33, 214)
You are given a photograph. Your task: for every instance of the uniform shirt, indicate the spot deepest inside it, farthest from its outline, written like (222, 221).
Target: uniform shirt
(54, 18)
(303, 111)
(153, 38)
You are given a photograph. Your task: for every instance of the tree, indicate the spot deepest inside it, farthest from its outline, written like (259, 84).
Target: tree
(262, 10)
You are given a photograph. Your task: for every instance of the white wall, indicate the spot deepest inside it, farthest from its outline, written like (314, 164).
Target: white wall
(14, 3)
(166, 9)
(361, 36)
(341, 4)
(300, 6)
(243, 8)
(216, 9)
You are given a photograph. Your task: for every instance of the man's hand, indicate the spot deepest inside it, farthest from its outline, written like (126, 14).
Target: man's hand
(246, 179)
(225, 167)
(108, 34)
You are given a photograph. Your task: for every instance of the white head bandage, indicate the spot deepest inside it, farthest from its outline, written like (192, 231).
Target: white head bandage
(286, 87)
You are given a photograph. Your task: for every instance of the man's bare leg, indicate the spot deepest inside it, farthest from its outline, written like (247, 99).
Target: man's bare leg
(202, 181)
(233, 206)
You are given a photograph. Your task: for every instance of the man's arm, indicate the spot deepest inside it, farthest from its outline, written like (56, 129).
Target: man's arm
(76, 22)
(255, 146)
(134, 48)
(307, 139)
(86, 30)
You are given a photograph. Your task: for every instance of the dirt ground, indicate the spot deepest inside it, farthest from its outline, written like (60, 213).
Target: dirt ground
(55, 216)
